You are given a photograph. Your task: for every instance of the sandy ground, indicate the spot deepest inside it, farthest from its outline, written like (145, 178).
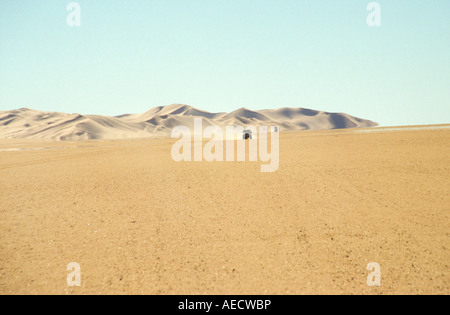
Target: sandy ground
(138, 222)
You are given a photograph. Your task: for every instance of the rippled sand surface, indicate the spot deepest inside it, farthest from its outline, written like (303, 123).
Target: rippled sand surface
(138, 222)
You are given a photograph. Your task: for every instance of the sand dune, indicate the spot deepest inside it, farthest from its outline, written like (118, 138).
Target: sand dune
(159, 121)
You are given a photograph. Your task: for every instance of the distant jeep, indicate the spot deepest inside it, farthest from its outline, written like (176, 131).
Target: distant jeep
(247, 134)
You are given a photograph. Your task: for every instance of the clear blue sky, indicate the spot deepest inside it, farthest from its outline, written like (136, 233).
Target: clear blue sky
(219, 55)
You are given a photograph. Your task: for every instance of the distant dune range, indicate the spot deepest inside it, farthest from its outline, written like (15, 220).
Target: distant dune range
(159, 121)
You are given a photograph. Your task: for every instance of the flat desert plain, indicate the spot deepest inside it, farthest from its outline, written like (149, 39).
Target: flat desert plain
(139, 223)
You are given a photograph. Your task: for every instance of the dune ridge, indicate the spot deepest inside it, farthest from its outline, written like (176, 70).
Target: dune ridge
(159, 122)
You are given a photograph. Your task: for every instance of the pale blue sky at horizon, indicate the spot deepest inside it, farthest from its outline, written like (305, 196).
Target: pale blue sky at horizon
(219, 55)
